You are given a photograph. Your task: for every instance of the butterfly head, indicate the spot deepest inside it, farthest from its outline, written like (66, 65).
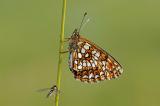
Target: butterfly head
(74, 40)
(75, 34)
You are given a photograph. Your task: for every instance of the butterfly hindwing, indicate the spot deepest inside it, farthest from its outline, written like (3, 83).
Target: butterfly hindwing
(90, 63)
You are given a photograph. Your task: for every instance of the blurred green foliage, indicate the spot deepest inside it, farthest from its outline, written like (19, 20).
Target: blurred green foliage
(29, 37)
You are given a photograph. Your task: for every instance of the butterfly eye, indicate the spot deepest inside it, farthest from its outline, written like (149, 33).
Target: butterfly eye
(75, 33)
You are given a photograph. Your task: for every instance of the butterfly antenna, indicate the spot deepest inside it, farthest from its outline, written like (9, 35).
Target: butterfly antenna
(82, 22)
(85, 23)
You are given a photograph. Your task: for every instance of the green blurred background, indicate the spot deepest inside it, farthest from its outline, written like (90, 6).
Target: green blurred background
(29, 38)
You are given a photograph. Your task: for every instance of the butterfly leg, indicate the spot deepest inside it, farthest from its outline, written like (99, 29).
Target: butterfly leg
(63, 52)
(66, 39)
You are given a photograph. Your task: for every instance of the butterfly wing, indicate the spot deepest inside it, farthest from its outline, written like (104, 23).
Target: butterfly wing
(90, 63)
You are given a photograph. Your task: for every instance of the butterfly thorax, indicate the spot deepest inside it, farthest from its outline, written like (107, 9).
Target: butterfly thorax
(74, 40)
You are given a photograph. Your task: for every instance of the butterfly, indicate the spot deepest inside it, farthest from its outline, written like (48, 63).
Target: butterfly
(90, 63)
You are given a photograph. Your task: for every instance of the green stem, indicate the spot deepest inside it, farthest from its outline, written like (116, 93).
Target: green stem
(60, 50)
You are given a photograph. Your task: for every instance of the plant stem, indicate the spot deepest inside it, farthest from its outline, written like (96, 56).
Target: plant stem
(60, 50)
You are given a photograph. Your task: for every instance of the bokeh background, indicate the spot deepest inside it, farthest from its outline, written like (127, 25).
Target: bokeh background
(29, 42)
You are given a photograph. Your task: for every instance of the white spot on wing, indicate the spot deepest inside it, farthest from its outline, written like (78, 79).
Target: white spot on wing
(97, 54)
(87, 55)
(79, 67)
(96, 57)
(84, 64)
(82, 50)
(93, 52)
(93, 65)
(84, 60)
(79, 55)
(96, 76)
(101, 73)
(121, 70)
(80, 43)
(115, 63)
(103, 68)
(86, 46)
(104, 63)
(95, 62)
(91, 76)
(88, 64)
(75, 62)
(91, 61)
(85, 76)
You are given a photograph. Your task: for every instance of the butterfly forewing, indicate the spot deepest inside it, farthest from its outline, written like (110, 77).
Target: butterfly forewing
(90, 63)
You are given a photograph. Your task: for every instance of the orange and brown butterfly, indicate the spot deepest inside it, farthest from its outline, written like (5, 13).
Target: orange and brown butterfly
(90, 63)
